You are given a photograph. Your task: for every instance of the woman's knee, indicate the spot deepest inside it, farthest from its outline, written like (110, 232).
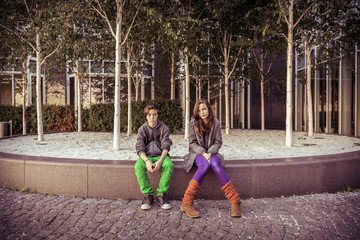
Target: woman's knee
(215, 163)
(204, 170)
(214, 159)
(202, 163)
(204, 167)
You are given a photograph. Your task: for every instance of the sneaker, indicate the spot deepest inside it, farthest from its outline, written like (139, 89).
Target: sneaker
(147, 202)
(163, 202)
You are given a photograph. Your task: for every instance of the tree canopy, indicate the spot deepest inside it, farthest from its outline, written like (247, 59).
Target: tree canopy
(211, 42)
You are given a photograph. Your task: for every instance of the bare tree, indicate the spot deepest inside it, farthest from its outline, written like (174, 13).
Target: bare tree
(287, 13)
(129, 66)
(100, 8)
(42, 35)
(260, 56)
(228, 38)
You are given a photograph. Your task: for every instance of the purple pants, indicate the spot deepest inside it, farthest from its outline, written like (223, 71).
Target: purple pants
(204, 166)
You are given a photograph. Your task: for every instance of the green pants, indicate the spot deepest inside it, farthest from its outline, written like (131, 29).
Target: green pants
(167, 168)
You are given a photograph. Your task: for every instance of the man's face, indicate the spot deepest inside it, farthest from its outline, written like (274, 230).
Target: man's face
(152, 117)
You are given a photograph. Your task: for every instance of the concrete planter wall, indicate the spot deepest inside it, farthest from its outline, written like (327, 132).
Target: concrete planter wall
(116, 179)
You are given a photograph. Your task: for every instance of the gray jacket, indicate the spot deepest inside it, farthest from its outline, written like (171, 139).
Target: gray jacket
(196, 145)
(153, 142)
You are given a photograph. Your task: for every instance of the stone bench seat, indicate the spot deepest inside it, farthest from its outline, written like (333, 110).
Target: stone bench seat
(116, 179)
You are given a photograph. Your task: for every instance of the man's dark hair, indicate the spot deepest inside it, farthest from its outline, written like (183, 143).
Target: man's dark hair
(149, 107)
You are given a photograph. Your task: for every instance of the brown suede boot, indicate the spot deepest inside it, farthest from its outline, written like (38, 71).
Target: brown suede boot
(189, 210)
(235, 210)
(234, 199)
(187, 204)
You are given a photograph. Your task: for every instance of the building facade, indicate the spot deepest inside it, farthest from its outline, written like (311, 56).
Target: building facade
(335, 93)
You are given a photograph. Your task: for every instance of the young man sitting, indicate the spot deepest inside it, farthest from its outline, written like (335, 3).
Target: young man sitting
(152, 146)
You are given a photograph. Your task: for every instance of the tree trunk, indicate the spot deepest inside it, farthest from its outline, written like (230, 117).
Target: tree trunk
(200, 88)
(79, 109)
(38, 89)
(196, 88)
(137, 91)
(187, 93)
(172, 97)
(183, 99)
(262, 92)
(262, 104)
(137, 80)
(208, 77)
(208, 91)
(116, 144)
(308, 89)
(288, 141)
(128, 63)
(24, 98)
(78, 84)
(220, 102)
(226, 78)
(153, 74)
(137, 85)
(227, 109)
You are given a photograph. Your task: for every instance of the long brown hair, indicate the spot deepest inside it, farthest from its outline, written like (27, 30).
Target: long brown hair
(200, 125)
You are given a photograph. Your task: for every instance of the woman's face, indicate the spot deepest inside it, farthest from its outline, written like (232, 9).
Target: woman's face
(203, 111)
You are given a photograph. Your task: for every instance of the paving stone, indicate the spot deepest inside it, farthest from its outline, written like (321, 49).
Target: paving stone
(109, 236)
(318, 216)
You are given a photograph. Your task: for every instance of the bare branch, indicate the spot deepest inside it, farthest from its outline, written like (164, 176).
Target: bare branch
(286, 20)
(221, 47)
(103, 14)
(58, 46)
(303, 14)
(27, 7)
(266, 81)
(282, 35)
(130, 27)
(266, 53)
(256, 54)
(229, 45)
(18, 35)
(269, 68)
(217, 63)
(197, 19)
(236, 60)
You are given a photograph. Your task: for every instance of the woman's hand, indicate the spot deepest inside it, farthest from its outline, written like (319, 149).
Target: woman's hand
(207, 156)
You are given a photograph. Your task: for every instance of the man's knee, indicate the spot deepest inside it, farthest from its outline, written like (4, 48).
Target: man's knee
(139, 166)
(167, 164)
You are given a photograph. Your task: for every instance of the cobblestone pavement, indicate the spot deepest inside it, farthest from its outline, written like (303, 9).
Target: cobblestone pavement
(317, 216)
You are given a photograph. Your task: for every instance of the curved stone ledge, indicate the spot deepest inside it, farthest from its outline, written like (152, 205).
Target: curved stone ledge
(116, 179)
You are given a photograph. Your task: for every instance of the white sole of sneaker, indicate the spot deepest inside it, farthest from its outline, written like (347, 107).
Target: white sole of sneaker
(146, 207)
(166, 207)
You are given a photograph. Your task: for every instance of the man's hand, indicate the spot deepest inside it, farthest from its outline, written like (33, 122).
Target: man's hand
(148, 163)
(157, 166)
(149, 166)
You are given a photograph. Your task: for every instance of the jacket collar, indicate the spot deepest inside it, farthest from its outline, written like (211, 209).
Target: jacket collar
(156, 126)
(199, 138)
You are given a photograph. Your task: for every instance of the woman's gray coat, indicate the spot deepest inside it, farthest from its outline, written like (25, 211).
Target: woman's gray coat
(196, 144)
